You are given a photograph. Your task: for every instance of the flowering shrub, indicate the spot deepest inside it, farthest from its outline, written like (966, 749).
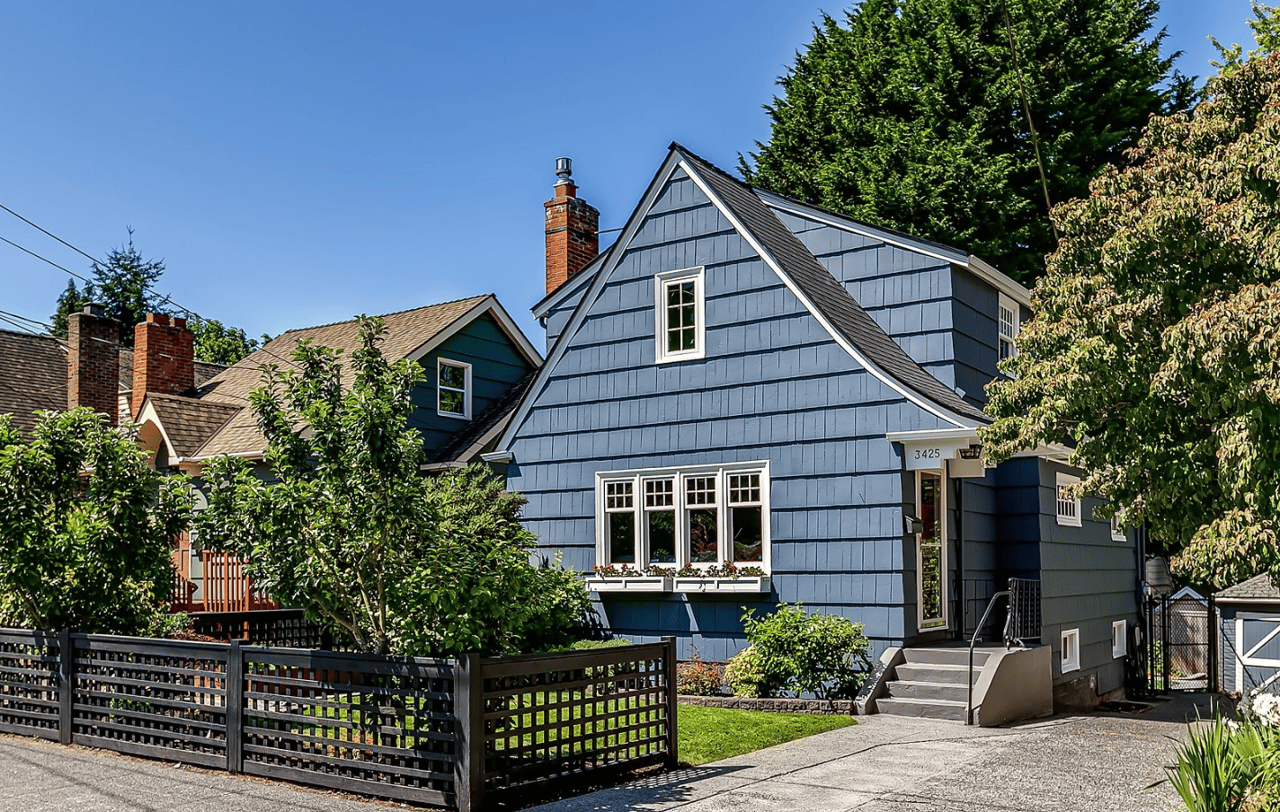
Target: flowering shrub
(1263, 707)
(697, 678)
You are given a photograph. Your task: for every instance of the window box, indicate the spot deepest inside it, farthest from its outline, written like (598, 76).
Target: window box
(633, 583)
(754, 584)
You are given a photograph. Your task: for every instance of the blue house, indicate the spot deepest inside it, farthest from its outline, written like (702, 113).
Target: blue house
(754, 400)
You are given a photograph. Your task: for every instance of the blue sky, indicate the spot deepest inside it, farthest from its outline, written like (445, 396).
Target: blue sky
(296, 163)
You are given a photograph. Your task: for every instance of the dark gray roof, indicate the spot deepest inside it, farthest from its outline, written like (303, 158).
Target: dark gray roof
(1258, 587)
(831, 298)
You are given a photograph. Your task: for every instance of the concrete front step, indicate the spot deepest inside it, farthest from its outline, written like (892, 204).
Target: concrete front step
(925, 708)
(945, 656)
(951, 692)
(936, 672)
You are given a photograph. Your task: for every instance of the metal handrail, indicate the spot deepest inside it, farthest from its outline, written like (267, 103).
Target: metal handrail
(991, 604)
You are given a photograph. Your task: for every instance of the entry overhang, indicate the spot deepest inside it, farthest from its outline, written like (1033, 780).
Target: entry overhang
(929, 449)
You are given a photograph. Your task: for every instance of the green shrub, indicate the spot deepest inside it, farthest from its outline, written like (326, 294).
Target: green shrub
(561, 609)
(815, 653)
(745, 676)
(696, 678)
(1226, 766)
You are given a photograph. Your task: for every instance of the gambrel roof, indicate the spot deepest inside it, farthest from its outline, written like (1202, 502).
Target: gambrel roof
(752, 214)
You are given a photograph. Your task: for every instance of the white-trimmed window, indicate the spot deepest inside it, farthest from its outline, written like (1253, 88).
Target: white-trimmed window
(1068, 507)
(1119, 638)
(453, 389)
(702, 516)
(1117, 532)
(680, 315)
(1008, 324)
(1070, 658)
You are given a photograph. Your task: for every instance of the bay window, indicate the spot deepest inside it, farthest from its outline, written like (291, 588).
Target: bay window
(701, 516)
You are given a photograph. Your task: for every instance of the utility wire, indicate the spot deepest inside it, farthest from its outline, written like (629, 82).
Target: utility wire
(19, 325)
(42, 259)
(48, 233)
(1026, 108)
(25, 318)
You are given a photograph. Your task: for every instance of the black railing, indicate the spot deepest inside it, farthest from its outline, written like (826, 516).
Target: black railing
(1024, 611)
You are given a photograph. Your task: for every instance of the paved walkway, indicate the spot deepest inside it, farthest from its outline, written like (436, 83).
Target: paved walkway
(883, 764)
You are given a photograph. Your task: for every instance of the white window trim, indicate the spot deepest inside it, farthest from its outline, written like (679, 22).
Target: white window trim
(1009, 304)
(1070, 653)
(1119, 638)
(1117, 533)
(680, 474)
(466, 392)
(660, 283)
(1065, 480)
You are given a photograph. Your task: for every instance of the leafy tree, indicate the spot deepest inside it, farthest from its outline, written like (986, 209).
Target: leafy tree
(349, 529)
(910, 115)
(86, 527)
(1155, 344)
(220, 344)
(1266, 35)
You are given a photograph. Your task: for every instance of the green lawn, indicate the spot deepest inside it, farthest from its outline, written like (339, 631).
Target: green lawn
(710, 734)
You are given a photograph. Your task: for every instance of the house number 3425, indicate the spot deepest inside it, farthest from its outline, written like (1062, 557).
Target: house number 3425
(928, 453)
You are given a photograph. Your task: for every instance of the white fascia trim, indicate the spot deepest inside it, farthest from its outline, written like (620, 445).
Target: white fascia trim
(580, 312)
(978, 267)
(440, 466)
(498, 456)
(489, 304)
(148, 413)
(543, 308)
(1005, 284)
(926, 435)
(799, 210)
(932, 408)
(248, 455)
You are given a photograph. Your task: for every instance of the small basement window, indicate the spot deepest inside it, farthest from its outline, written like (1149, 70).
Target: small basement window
(680, 310)
(1119, 638)
(453, 389)
(1068, 507)
(1070, 650)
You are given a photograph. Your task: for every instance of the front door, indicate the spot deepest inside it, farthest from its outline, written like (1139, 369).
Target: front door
(931, 551)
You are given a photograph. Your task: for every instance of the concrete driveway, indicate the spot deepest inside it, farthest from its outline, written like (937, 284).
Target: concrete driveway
(1077, 763)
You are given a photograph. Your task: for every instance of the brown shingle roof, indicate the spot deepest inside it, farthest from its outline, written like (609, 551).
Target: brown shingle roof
(406, 331)
(33, 376)
(187, 422)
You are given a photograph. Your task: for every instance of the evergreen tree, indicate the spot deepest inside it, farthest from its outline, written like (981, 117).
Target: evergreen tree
(71, 301)
(125, 286)
(910, 115)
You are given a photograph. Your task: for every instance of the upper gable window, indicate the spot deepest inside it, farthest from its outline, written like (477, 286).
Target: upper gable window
(1008, 326)
(680, 315)
(453, 389)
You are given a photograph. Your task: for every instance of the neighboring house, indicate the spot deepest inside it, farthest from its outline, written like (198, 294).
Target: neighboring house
(742, 378)
(1249, 619)
(88, 368)
(476, 364)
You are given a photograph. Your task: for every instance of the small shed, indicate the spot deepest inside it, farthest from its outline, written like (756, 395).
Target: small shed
(1249, 615)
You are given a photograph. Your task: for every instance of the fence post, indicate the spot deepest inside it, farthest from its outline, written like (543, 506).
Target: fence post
(468, 707)
(234, 697)
(1212, 669)
(66, 686)
(669, 677)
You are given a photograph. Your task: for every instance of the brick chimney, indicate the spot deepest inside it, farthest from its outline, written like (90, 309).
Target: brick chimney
(573, 229)
(163, 358)
(93, 362)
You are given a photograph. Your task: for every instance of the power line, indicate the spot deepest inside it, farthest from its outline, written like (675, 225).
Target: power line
(1031, 125)
(48, 233)
(24, 319)
(19, 325)
(51, 262)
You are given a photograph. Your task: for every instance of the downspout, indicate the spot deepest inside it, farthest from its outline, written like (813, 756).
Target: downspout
(959, 592)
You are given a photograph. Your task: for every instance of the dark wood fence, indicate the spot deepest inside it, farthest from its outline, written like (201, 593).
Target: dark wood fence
(439, 731)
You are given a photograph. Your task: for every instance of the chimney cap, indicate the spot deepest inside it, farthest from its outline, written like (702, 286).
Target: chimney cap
(564, 170)
(95, 309)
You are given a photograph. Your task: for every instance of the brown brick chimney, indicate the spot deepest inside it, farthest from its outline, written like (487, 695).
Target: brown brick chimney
(573, 229)
(93, 362)
(163, 358)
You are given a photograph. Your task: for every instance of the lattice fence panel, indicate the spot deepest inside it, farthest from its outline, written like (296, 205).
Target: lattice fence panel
(380, 726)
(568, 714)
(151, 698)
(29, 683)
